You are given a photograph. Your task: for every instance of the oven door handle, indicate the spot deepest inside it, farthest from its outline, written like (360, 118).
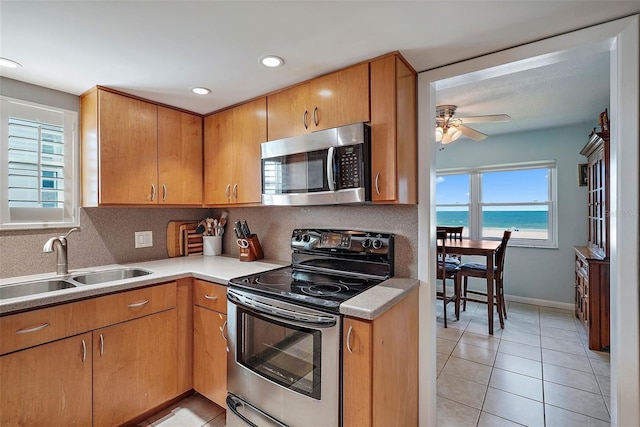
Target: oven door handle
(307, 319)
(234, 401)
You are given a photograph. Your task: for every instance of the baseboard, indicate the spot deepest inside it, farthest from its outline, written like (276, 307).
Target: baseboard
(541, 302)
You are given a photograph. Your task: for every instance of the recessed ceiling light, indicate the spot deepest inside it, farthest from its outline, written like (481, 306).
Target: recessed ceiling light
(4, 62)
(201, 90)
(271, 61)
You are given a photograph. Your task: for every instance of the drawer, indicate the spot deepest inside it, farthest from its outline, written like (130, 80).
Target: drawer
(22, 330)
(210, 295)
(129, 305)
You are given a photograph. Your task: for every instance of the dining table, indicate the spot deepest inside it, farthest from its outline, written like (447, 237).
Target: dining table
(485, 248)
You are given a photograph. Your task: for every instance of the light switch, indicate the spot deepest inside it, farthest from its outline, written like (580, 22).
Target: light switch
(143, 239)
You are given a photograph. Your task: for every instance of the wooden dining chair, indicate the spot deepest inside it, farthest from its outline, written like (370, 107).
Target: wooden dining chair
(474, 269)
(446, 271)
(453, 233)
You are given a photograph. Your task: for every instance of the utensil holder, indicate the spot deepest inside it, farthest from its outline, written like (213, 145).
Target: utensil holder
(212, 245)
(251, 252)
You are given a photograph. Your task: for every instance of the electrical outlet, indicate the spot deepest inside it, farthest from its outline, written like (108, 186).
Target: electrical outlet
(143, 239)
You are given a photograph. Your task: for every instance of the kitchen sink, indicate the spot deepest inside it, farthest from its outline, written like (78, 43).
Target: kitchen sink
(31, 288)
(110, 275)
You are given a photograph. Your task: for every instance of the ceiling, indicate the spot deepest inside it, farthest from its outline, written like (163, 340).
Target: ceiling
(160, 50)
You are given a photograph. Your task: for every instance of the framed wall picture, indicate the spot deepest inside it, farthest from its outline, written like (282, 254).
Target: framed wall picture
(582, 175)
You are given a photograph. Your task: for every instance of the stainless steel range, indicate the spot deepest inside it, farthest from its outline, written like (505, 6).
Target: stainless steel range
(284, 360)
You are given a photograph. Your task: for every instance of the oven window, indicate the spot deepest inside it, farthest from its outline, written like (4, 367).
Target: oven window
(285, 354)
(295, 173)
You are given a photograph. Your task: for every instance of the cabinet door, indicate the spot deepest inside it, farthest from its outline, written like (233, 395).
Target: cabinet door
(289, 113)
(179, 157)
(218, 158)
(357, 376)
(210, 354)
(393, 132)
(134, 367)
(128, 150)
(47, 385)
(249, 131)
(340, 98)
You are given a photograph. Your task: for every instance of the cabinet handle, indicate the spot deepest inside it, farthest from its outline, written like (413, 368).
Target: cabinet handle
(349, 339)
(101, 345)
(377, 179)
(304, 119)
(84, 351)
(235, 191)
(164, 192)
(153, 192)
(138, 304)
(212, 297)
(37, 328)
(227, 192)
(315, 116)
(224, 326)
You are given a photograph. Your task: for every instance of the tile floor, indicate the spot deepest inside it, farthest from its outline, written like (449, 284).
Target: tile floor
(537, 371)
(192, 411)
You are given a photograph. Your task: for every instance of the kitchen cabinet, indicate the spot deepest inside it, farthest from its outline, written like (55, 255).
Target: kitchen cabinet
(49, 384)
(380, 367)
(134, 367)
(336, 99)
(592, 290)
(393, 131)
(210, 341)
(137, 153)
(232, 138)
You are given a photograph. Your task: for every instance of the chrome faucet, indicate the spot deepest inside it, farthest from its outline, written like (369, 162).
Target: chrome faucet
(59, 244)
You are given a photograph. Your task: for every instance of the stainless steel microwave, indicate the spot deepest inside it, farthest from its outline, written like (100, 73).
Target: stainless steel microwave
(327, 167)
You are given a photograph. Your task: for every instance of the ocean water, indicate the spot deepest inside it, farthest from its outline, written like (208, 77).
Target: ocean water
(521, 220)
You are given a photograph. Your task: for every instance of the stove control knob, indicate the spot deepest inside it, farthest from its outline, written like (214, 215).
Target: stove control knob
(306, 238)
(377, 244)
(366, 243)
(297, 238)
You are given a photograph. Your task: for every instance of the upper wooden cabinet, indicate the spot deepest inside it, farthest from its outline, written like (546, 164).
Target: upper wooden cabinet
(393, 131)
(137, 153)
(232, 164)
(336, 99)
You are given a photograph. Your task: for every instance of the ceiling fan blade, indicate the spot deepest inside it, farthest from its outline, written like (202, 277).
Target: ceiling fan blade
(484, 119)
(472, 133)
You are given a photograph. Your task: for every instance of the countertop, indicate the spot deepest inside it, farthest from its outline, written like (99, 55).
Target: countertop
(218, 269)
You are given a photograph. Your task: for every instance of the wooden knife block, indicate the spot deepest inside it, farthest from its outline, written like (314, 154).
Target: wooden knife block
(253, 252)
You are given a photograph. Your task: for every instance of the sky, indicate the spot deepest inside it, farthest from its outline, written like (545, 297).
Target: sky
(529, 185)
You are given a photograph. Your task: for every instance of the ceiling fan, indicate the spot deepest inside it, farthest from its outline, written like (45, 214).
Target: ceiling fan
(450, 128)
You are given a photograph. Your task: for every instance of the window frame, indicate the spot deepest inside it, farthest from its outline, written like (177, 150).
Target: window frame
(475, 204)
(29, 218)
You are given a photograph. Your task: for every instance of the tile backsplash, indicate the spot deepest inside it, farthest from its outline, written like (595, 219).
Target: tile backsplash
(107, 234)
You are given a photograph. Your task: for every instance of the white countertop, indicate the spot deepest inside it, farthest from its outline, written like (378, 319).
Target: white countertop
(219, 269)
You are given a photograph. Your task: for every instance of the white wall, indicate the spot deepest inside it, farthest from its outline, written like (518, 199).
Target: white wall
(543, 274)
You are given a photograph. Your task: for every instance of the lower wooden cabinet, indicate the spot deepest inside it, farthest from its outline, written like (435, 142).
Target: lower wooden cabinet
(47, 385)
(210, 340)
(134, 367)
(592, 296)
(210, 354)
(380, 368)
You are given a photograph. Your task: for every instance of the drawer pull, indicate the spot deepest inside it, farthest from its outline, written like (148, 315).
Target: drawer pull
(84, 351)
(211, 297)
(101, 345)
(349, 339)
(37, 328)
(138, 304)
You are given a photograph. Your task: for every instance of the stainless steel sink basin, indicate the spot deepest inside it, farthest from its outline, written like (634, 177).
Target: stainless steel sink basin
(109, 275)
(31, 288)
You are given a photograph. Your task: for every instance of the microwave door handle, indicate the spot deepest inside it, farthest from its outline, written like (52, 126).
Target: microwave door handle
(234, 401)
(330, 160)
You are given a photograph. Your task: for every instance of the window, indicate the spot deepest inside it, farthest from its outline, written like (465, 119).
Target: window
(38, 170)
(489, 200)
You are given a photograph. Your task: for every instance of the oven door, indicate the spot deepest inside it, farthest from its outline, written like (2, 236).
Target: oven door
(283, 365)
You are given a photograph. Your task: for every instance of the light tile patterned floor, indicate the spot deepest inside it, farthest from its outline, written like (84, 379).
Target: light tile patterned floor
(193, 411)
(537, 371)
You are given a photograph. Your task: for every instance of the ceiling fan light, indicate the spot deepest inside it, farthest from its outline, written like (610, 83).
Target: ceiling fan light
(439, 133)
(446, 138)
(454, 133)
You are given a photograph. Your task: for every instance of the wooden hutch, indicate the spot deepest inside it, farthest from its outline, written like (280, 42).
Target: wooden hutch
(592, 292)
